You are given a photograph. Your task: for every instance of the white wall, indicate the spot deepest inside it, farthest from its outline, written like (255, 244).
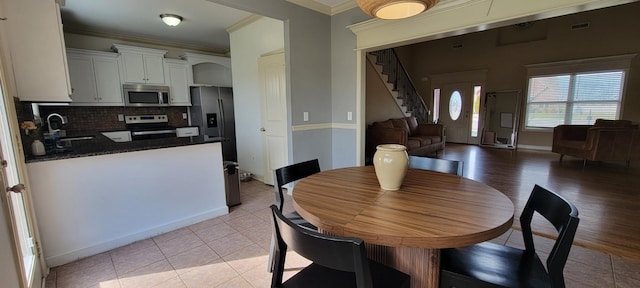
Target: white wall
(89, 205)
(9, 272)
(247, 44)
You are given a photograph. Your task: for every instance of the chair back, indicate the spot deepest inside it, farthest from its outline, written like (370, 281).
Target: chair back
(339, 253)
(564, 217)
(292, 173)
(438, 165)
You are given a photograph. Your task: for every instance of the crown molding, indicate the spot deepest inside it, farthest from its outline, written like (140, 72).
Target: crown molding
(144, 40)
(324, 9)
(244, 22)
(343, 7)
(313, 5)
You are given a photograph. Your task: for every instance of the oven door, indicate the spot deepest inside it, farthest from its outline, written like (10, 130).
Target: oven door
(153, 134)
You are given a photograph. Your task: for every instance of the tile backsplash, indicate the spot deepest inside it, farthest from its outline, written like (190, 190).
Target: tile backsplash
(84, 120)
(98, 119)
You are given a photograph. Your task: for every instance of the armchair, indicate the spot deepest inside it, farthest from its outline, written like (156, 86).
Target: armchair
(606, 140)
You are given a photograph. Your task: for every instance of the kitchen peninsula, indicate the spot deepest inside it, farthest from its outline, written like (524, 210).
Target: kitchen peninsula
(88, 205)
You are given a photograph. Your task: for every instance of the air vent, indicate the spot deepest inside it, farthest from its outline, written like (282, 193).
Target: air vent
(579, 26)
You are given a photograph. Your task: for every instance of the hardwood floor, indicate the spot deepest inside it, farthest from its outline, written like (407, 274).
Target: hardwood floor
(607, 194)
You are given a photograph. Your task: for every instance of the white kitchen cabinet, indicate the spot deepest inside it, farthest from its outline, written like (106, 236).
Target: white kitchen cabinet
(141, 65)
(83, 82)
(95, 78)
(178, 77)
(37, 50)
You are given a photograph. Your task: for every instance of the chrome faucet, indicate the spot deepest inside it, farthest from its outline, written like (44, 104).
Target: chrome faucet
(62, 121)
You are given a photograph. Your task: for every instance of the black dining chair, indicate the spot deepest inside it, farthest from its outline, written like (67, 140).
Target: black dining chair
(435, 164)
(286, 175)
(336, 261)
(492, 265)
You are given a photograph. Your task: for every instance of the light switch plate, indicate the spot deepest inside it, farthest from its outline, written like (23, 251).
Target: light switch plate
(184, 115)
(349, 116)
(305, 115)
(120, 117)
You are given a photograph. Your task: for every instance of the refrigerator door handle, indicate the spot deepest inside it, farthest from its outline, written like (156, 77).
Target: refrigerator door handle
(221, 109)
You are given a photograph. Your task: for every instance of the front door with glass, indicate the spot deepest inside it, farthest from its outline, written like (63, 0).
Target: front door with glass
(459, 111)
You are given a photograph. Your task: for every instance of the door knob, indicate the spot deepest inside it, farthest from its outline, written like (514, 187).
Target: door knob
(17, 188)
(262, 129)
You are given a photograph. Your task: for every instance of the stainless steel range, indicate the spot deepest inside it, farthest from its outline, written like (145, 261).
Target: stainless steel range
(149, 127)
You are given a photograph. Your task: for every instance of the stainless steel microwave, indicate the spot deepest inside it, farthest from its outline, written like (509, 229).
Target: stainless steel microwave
(145, 95)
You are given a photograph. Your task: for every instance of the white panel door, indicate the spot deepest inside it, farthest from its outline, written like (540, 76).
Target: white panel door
(455, 111)
(24, 256)
(274, 113)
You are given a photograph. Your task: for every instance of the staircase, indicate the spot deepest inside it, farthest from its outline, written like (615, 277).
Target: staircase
(399, 84)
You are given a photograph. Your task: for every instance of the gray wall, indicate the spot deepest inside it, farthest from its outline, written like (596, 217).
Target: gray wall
(308, 57)
(343, 86)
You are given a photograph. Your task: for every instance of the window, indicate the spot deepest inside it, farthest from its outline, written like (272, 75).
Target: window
(455, 105)
(436, 105)
(475, 116)
(575, 92)
(573, 98)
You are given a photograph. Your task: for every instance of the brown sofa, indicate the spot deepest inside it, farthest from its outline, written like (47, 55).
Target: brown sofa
(420, 139)
(606, 140)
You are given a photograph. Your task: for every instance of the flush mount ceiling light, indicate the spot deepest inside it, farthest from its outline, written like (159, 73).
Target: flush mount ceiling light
(171, 19)
(395, 9)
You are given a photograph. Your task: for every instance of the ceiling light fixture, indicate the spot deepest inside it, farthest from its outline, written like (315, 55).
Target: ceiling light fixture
(171, 19)
(395, 9)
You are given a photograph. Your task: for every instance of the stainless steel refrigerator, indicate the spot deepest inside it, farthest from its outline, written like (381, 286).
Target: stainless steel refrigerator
(212, 112)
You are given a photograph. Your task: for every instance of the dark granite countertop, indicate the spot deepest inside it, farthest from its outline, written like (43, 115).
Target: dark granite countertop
(101, 145)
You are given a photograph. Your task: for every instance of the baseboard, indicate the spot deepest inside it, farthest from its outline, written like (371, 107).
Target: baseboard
(107, 245)
(534, 147)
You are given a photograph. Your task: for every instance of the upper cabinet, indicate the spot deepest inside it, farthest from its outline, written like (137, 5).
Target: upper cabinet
(179, 78)
(141, 65)
(36, 47)
(95, 78)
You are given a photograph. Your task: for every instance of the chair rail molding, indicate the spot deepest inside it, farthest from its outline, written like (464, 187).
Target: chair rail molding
(307, 127)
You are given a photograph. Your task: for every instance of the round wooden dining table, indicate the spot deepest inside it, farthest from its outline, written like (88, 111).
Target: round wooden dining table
(405, 228)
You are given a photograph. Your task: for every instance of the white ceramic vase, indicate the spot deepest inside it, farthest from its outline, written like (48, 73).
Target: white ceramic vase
(390, 162)
(37, 148)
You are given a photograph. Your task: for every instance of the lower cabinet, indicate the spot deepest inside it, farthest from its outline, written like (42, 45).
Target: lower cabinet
(95, 78)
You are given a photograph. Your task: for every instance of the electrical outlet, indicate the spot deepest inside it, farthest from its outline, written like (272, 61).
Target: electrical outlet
(349, 116)
(184, 116)
(120, 117)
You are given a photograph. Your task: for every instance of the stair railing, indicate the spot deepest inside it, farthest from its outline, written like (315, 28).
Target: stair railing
(402, 84)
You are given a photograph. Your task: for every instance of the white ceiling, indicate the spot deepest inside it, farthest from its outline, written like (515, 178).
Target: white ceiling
(204, 25)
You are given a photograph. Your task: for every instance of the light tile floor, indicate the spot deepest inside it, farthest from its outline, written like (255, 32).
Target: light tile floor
(232, 251)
